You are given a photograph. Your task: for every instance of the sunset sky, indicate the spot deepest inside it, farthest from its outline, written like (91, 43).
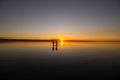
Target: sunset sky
(68, 19)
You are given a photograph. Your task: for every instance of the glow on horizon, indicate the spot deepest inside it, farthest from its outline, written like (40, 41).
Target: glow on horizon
(65, 37)
(56, 19)
(61, 39)
(61, 43)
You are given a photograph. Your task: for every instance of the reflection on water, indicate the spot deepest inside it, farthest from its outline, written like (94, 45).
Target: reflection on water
(68, 49)
(61, 43)
(55, 45)
(72, 58)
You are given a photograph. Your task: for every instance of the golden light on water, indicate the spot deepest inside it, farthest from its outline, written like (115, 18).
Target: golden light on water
(61, 41)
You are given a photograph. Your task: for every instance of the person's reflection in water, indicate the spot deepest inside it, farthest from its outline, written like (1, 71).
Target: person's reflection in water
(53, 48)
(55, 44)
(56, 48)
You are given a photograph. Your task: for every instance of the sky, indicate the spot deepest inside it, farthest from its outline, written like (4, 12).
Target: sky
(68, 19)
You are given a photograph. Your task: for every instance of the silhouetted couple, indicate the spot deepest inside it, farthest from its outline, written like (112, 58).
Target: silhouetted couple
(55, 45)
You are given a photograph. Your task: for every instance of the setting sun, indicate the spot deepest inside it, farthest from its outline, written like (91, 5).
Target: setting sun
(61, 39)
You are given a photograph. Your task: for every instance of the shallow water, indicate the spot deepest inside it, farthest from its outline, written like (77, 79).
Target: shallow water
(97, 59)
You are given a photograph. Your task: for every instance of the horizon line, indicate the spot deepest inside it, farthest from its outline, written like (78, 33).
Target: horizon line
(49, 40)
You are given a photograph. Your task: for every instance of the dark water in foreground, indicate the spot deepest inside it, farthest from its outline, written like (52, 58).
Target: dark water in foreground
(69, 59)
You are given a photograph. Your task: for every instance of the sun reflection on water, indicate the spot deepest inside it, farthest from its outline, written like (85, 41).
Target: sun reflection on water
(61, 43)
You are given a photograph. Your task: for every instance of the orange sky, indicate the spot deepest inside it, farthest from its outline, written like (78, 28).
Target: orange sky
(75, 19)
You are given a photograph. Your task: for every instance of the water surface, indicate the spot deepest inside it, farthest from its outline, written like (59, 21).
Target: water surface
(67, 59)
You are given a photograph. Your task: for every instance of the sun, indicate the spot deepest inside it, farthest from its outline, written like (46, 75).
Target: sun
(61, 39)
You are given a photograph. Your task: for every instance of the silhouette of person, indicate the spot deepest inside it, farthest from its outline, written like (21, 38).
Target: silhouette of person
(54, 43)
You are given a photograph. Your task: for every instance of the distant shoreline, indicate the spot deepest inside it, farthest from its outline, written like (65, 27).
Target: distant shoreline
(37, 40)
